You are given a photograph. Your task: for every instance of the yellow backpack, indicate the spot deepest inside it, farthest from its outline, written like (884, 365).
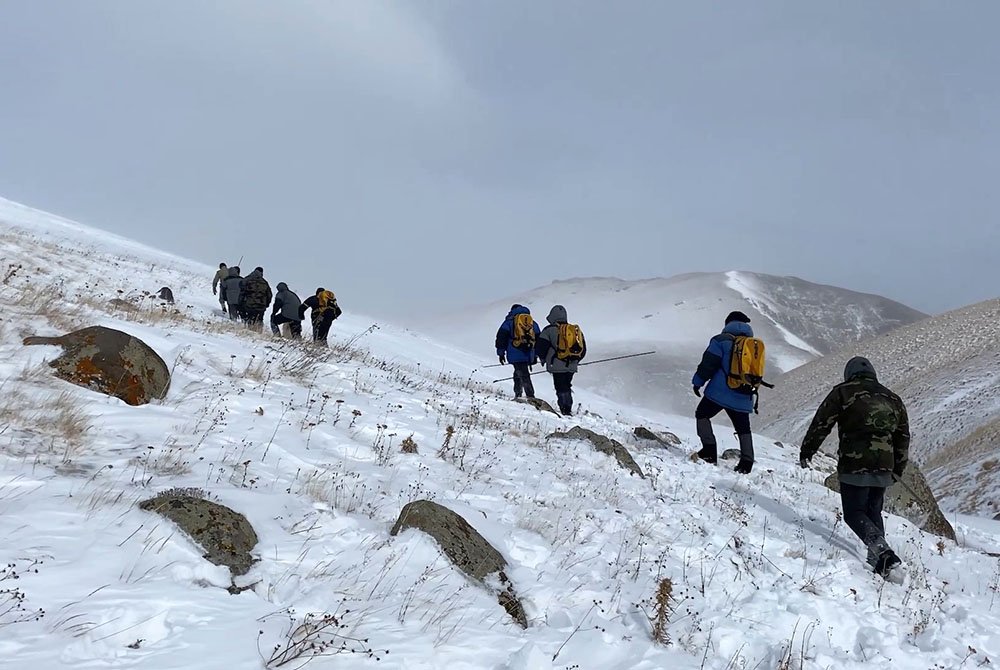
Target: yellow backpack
(327, 300)
(571, 345)
(746, 364)
(523, 332)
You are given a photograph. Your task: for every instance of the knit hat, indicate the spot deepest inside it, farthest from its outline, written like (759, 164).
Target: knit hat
(737, 316)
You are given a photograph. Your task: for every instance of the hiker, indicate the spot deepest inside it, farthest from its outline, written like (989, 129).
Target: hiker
(324, 309)
(560, 347)
(231, 290)
(286, 310)
(874, 440)
(719, 395)
(220, 277)
(515, 344)
(255, 296)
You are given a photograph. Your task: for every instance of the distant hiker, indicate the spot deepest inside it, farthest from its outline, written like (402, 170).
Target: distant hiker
(286, 310)
(727, 388)
(560, 347)
(874, 443)
(515, 344)
(220, 277)
(231, 291)
(255, 296)
(324, 310)
(166, 295)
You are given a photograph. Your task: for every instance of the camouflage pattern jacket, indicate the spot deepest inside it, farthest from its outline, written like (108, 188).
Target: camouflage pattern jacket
(871, 422)
(255, 292)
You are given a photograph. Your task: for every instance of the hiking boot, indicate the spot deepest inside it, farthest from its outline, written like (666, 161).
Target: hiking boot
(744, 466)
(886, 561)
(709, 454)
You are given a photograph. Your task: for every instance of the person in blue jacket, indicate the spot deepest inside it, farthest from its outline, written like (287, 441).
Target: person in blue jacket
(714, 371)
(522, 357)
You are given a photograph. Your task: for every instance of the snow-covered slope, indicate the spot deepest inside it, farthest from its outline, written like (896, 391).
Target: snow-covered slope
(305, 443)
(947, 370)
(676, 317)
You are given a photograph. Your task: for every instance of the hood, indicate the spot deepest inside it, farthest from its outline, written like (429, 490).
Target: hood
(282, 286)
(557, 315)
(517, 309)
(738, 328)
(234, 271)
(255, 275)
(859, 366)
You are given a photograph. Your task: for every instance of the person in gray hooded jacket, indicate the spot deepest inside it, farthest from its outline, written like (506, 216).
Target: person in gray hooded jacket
(231, 289)
(562, 368)
(286, 310)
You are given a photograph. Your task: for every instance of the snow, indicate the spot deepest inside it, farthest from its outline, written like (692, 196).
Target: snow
(305, 443)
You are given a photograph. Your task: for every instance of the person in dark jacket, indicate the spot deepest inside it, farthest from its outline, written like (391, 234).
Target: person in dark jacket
(714, 371)
(323, 310)
(286, 310)
(522, 357)
(220, 277)
(562, 370)
(231, 289)
(874, 433)
(255, 296)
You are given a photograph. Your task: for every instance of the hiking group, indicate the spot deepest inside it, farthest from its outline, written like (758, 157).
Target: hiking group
(247, 299)
(559, 348)
(872, 422)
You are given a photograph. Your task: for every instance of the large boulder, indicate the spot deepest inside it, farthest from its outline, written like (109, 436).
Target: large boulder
(110, 361)
(912, 499)
(603, 444)
(665, 438)
(465, 547)
(225, 535)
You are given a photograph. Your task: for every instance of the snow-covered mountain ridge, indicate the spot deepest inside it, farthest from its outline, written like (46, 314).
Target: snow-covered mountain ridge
(798, 320)
(306, 444)
(947, 370)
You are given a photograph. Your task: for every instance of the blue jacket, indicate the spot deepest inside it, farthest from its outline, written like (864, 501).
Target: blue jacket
(714, 370)
(505, 335)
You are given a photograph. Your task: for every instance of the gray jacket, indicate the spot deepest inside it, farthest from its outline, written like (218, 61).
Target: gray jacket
(286, 302)
(547, 343)
(231, 285)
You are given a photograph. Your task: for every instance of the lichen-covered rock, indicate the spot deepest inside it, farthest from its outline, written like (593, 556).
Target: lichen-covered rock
(465, 548)
(111, 362)
(225, 535)
(921, 509)
(603, 444)
(665, 438)
(541, 405)
(731, 455)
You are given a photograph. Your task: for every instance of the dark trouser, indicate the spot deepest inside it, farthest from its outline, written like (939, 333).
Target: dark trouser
(254, 317)
(277, 320)
(234, 311)
(321, 325)
(863, 513)
(222, 300)
(522, 381)
(741, 423)
(563, 381)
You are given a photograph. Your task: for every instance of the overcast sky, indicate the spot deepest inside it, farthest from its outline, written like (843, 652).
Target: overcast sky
(419, 156)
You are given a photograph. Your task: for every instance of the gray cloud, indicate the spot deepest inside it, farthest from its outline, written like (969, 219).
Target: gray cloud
(417, 156)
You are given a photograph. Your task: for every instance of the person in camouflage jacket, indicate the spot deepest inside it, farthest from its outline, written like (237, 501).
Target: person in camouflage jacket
(874, 433)
(255, 296)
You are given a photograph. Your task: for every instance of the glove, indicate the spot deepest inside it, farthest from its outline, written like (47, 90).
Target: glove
(697, 391)
(803, 462)
(898, 472)
(503, 359)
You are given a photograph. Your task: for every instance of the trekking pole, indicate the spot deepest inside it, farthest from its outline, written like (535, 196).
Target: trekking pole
(603, 360)
(617, 358)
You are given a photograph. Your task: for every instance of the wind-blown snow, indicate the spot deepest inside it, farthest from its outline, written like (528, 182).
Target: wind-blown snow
(305, 443)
